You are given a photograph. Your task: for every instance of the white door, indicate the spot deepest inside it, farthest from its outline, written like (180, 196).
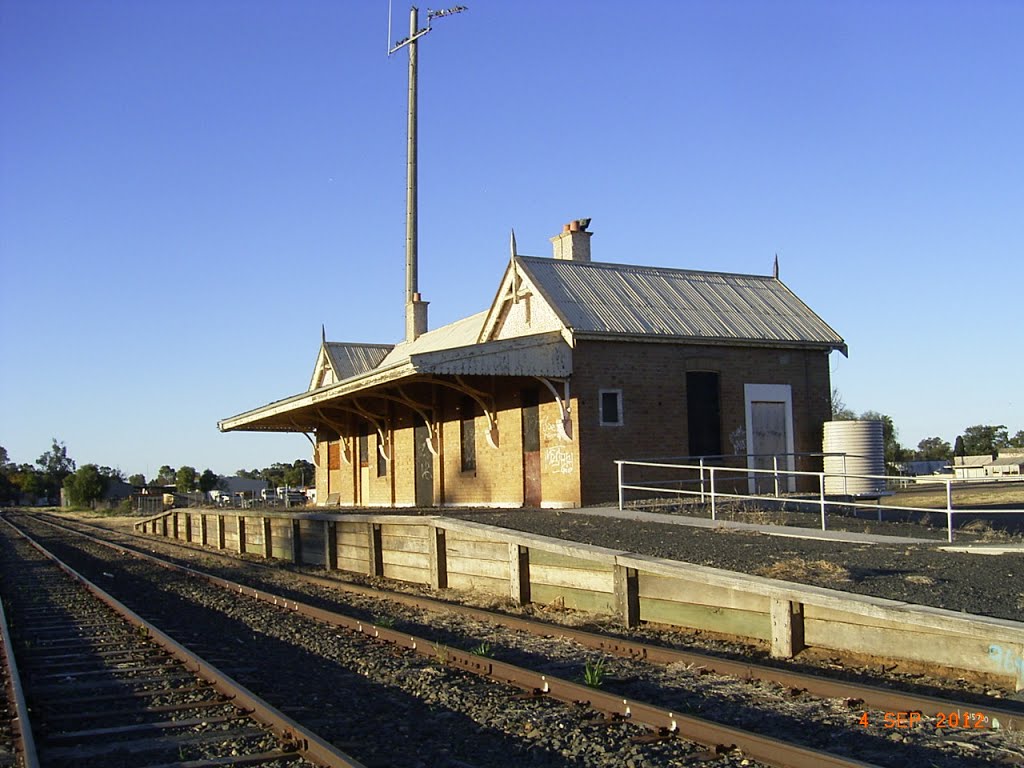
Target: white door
(770, 435)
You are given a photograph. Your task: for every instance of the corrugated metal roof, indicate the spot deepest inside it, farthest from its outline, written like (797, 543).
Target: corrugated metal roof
(595, 297)
(461, 333)
(349, 360)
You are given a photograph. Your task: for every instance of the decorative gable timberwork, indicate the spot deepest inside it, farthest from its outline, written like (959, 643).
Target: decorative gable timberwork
(519, 309)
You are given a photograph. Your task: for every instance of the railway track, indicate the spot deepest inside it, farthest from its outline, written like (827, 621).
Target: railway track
(105, 688)
(664, 721)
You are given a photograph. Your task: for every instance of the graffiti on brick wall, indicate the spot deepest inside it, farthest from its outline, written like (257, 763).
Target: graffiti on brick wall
(559, 460)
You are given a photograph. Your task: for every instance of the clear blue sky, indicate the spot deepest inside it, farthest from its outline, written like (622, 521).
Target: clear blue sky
(189, 189)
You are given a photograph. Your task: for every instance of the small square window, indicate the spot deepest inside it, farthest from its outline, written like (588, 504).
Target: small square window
(611, 407)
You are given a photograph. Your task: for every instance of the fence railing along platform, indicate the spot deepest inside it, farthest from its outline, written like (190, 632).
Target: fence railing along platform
(710, 480)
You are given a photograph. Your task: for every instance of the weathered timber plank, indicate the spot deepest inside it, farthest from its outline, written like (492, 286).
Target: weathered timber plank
(818, 613)
(729, 621)
(541, 557)
(472, 567)
(354, 564)
(407, 573)
(405, 530)
(496, 587)
(683, 590)
(350, 536)
(412, 559)
(402, 544)
(557, 576)
(480, 550)
(862, 605)
(577, 599)
(952, 651)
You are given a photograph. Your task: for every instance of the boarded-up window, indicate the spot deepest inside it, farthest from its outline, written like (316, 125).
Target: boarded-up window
(467, 433)
(334, 454)
(703, 413)
(611, 407)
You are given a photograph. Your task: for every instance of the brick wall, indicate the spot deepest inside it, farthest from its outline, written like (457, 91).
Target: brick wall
(652, 377)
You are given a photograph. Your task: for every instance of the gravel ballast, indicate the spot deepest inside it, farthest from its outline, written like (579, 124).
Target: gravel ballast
(477, 722)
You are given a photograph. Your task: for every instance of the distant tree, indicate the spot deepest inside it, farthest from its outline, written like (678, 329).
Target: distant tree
(113, 473)
(894, 452)
(1017, 441)
(247, 474)
(839, 410)
(208, 481)
(300, 474)
(985, 439)
(185, 479)
(166, 475)
(86, 485)
(4, 461)
(137, 479)
(934, 448)
(55, 465)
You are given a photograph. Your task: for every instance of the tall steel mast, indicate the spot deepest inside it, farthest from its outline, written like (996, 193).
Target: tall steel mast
(415, 307)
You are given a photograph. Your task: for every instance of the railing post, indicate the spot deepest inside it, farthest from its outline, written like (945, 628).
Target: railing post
(949, 510)
(618, 465)
(701, 479)
(821, 496)
(711, 475)
(775, 468)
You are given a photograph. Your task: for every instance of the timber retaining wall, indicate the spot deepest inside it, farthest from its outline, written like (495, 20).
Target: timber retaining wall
(448, 553)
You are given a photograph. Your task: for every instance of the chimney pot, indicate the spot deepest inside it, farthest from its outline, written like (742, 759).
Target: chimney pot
(573, 243)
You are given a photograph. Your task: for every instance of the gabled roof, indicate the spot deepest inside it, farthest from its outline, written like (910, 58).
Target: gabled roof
(620, 299)
(347, 360)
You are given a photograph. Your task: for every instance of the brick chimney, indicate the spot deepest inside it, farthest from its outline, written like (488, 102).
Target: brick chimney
(573, 242)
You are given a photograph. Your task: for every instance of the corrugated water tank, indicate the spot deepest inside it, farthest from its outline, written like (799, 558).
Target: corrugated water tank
(854, 448)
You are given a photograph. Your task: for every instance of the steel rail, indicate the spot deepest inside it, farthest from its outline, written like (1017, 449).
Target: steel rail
(24, 741)
(663, 721)
(311, 746)
(873, 697)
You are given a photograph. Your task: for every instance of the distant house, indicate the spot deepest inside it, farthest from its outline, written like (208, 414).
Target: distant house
(1006, 467)
(234, 491)
(925, 467)
(573, 364)
(970, 467)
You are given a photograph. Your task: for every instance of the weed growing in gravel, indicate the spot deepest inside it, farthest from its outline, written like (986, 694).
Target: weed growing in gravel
(985, 532)
(483, 649)
(593, 673)
(441, 655)
(799, 568)
(386, 622)
(916, 578)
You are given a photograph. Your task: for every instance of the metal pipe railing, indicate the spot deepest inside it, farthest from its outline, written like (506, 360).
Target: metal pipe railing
(710, 478)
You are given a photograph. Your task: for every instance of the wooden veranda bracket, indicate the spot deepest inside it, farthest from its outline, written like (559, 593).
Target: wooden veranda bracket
(490, 412)
(564, 407)
(432, 440)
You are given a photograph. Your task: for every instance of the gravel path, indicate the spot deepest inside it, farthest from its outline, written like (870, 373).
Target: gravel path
(990, 585)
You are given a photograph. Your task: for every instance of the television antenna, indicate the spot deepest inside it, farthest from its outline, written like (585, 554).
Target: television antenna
(412, 295)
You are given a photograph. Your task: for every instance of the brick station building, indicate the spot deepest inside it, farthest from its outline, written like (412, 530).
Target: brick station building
(575, 363)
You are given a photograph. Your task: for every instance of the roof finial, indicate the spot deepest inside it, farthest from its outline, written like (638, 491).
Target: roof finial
(775, 269)
(512, 244)
(323, 334)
